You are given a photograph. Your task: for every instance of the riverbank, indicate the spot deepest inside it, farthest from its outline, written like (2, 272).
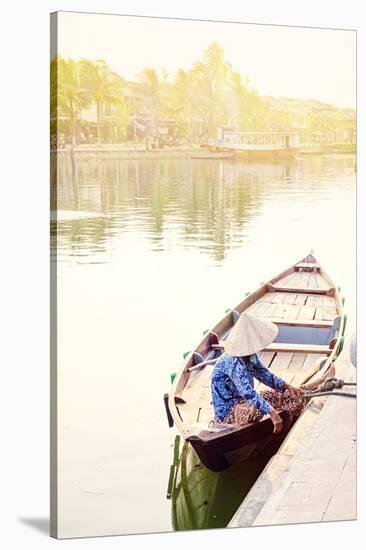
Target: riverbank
(330, 149)
(122, 152)
(118, 152)
(312, 478)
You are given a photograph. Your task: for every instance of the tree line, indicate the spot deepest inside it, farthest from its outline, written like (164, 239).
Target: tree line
(198, 100)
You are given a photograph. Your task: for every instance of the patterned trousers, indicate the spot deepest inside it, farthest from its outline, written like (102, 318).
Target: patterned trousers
(243, 412)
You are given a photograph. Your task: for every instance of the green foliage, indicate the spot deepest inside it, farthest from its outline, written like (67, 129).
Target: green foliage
(101, 86)
(67, 95)
(197, 100)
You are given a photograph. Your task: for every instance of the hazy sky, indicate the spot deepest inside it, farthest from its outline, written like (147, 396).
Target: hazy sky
(279, 61)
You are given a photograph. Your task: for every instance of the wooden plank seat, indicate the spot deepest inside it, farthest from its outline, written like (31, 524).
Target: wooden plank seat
(305, 348)
(317, 323)
(307, 265)
(304, 290)
(279, 346)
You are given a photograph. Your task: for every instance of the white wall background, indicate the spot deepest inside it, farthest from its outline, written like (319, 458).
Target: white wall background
(24, 396)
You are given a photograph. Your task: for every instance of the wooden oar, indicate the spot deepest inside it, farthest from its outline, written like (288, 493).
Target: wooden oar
(203, 364)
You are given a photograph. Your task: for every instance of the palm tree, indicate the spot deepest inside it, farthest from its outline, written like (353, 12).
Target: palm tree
(122, 118)
(100, 85)
(186, 100)
(218, 69)
(246, 103)
(152, 89)
(260, 118)
(67, 96)
(213, 73)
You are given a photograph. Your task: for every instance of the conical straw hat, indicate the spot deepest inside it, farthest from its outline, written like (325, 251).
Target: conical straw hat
(250, 335)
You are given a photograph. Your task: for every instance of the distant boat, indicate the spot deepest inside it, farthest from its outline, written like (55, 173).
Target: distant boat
(257, 145)
(207, 155)
(307, 307)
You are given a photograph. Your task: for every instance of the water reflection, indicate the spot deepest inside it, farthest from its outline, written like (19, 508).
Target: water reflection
(149, 254)
(202, 499)
(207, 204)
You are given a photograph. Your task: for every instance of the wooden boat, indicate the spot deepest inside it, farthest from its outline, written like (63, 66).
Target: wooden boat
(257, 145)
(308, 309)
(209, 155)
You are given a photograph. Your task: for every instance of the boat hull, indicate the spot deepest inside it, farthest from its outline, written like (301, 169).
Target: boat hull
(219, 451)
(212, 155)
(262, 154)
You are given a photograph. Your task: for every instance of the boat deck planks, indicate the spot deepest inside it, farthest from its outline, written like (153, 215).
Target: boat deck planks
(206, 415)
(253, 309)
(328, 301)
(208, 369)
(281, 361)
(325, 313)
(266, 358)
(321, 282)
(304, 280)
(261, 309)
(295, 280)
(266, 310)
(290, 299)
(290, 366)
(284, 281)
(310, 360)
(300, 279)
(314, 300)
(287, 311)
(273, 298)
(278, 297)
(300, 299)
(270, 312)
(306, 312)
(313, 283)
(297, 361)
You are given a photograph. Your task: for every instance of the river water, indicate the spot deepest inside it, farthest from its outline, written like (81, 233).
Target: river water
(150, 254)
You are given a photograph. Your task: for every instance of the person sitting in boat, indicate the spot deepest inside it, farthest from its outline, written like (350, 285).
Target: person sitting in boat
(234, 399)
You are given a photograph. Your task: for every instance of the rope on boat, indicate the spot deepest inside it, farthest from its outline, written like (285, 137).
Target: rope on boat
(328, 389)
(321, 393)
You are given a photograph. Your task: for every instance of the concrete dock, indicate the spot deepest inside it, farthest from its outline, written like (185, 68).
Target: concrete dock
(312, 478)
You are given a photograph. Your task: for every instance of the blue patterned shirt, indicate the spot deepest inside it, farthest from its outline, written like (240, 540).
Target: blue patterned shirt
(232, 381)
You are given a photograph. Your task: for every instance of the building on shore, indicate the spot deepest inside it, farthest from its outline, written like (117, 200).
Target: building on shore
(315, 122)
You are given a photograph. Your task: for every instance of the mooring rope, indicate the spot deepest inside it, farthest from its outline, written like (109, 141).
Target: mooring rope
(321, 393)
(328, 387)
